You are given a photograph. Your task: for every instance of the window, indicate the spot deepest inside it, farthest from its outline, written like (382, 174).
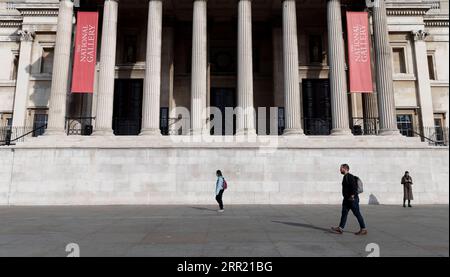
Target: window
(431, 67)
(130, 49)
(405, 124)
(47, 60)
(399, 60)
(440, 133)
(6, 120)
(39, 123)
(315, 49)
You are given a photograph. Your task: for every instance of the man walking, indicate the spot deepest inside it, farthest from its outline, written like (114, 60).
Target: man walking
(350, 202)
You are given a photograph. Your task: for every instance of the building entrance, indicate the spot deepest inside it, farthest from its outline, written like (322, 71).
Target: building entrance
(316, 107)
(127, 115)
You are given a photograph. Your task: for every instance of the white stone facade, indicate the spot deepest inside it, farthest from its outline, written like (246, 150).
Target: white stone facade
(279, 49)
(159, 172)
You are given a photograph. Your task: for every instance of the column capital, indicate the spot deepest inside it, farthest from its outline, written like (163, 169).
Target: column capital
(420, 35)
(26, 35)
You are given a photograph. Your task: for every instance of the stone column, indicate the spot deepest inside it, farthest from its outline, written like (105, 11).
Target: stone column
(61, 70)
(199, 68)
(105, 98)
(423, 79)
(384, 78)
(23, 79)
(290, 70)
(152, 81)
(245, 117)
(338, 80)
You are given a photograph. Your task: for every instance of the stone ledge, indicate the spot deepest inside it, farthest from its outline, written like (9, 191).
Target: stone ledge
(229, 142)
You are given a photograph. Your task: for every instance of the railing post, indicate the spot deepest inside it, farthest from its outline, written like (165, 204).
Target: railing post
(8, 137)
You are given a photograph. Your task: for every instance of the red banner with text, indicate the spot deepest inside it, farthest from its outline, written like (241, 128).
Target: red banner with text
(359, 52)
(85, 57)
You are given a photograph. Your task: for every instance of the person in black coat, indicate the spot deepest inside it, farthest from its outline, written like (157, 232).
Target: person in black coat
(350, 201)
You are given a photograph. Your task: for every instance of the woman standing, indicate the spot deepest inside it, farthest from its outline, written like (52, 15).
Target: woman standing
(407, 189)
(219, 190)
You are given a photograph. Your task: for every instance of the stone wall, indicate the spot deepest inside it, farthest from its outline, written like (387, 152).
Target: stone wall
(183, 175)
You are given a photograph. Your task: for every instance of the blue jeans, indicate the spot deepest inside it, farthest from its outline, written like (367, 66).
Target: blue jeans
(348, 205)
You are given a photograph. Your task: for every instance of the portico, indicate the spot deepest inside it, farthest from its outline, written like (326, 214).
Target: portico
(245, 55)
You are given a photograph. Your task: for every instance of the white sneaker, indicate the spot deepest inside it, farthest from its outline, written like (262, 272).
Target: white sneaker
(220, 211)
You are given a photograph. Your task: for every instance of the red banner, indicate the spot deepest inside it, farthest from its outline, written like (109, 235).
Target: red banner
(359, 52)
(85, 57)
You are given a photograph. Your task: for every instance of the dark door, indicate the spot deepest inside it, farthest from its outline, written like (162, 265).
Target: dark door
(316, 106)
(127, 114)
(222, 98)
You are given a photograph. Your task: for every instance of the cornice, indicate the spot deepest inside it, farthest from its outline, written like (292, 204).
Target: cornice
(10, 21)
(436, 21)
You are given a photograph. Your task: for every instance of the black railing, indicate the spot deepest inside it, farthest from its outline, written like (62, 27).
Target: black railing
(79, 126)
(437, 136)
(11, 135)
(365, 126)
(178, 126)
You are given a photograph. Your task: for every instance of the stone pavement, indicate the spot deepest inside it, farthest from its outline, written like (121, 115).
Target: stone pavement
(194, 231)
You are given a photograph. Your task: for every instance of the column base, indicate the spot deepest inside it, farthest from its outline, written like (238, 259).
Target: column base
(341, 132)
(293, 132)
(246, 132)
(389, 132)
(103, 133)
(151, 132)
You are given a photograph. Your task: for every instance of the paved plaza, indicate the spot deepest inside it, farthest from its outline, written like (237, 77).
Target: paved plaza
(199, 231)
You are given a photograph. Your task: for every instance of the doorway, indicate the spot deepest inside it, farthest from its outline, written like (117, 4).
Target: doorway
(127, 114)
(223, 98)
(316, 107)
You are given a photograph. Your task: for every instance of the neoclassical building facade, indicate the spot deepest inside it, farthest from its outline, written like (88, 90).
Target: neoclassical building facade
(155, 57)
(167, 70)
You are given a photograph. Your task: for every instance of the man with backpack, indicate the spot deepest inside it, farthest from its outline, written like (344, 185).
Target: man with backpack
(351, 187)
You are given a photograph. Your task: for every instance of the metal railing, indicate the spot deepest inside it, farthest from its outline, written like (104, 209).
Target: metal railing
(11, 135)
(365, 126)
(79, 126)
(436, 136)
(178, 126)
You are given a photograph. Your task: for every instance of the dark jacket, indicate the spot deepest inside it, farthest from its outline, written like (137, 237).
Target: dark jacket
(349, 186)
(407, 180)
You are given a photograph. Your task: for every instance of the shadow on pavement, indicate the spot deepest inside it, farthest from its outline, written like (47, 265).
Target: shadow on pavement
(307, 226)
(204, 209)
